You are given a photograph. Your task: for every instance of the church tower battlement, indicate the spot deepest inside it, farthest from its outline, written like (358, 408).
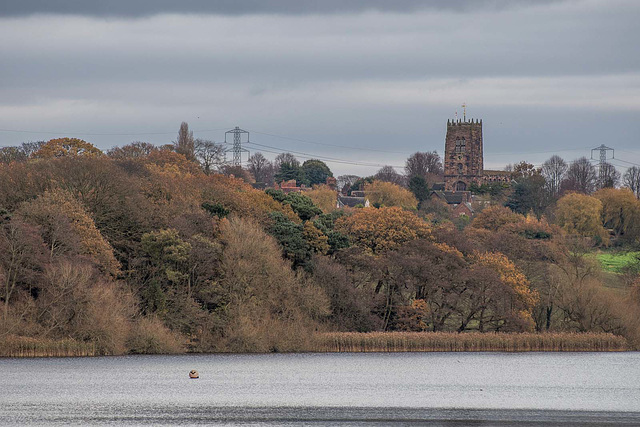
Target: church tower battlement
(463, 158)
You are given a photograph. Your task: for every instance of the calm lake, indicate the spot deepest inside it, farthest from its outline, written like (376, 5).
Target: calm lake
(325, 389)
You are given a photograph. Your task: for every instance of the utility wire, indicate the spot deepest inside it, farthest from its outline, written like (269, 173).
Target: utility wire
(103, 134)
(313, 156)
(538, 152)
(309, 156)
(327, 144)
(631, 163)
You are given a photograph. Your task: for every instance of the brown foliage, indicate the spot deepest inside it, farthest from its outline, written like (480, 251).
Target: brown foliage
(67, 229)
(149, 336)
(21, 256)
(73, 304)
(351, 304)
(473, 341)
(269, 308)
(20, 182)
(173, 162)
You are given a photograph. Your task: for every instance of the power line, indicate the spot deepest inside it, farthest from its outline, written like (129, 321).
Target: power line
(310, 156)
(328, 144)
(319, 157)
(538, 152)
(620, 166)
(103, 134)
(631, 163)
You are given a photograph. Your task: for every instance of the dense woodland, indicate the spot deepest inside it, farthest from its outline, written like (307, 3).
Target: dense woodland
(165, 249)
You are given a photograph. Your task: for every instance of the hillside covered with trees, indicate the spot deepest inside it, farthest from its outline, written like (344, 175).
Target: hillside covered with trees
(148, 249)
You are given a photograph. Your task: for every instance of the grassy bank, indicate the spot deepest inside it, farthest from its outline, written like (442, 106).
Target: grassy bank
(617, 262)
(446, 341)
(13, 346)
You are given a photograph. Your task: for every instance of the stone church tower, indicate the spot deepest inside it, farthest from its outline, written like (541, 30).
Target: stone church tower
(463, 158)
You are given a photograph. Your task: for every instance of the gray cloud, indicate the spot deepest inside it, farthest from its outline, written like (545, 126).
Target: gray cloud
(139, 8)
(554, 76)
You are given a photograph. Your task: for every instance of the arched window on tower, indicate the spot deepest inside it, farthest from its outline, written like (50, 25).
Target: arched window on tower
(461, 186)
(461, 145)
(460, 168)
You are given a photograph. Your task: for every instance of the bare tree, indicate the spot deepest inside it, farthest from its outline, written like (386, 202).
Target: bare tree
(185, 144)
(237, 171)
(609, 176)
(21, 153)
(12, 154)
(209, 154)
(425, 164)
(346, 181)
(135, 150)
(286, 158)
(581, 177)
(29, 148)
(631, 180)
(554, 171)
(389, 174)
(261, 168)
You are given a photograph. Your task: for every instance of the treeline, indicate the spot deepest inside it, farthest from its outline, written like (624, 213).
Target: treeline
(148, 250)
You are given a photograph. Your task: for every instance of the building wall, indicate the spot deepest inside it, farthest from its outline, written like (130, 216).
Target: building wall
(463, 157)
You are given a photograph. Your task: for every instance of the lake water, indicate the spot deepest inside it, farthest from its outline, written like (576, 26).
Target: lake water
(325, 389)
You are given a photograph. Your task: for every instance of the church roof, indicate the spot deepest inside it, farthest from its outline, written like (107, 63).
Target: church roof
(452, 197)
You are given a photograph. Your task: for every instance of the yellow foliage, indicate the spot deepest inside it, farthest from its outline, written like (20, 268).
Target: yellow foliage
(315, 238)
(62, 147)
(388, 194)
(495, 217)
(581, 214)
(242, 199)
(510, 275)
(378, 230)
(620, 210)
(323, 197)
(449, 249)
(174, 162)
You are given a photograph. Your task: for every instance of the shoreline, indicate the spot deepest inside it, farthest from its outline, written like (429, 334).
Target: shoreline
(366, 342)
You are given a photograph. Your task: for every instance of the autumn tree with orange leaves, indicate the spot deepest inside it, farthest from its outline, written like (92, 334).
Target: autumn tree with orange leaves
(67, 147)
(518, 299)
(379, 230)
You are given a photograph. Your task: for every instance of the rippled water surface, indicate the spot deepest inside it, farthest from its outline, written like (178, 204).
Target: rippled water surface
(325, 389)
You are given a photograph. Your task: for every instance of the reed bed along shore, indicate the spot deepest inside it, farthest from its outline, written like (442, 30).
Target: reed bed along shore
(14, 346)
(371, 342)
(474, 341)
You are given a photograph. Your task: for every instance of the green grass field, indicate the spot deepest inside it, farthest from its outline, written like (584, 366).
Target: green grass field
(616, 262)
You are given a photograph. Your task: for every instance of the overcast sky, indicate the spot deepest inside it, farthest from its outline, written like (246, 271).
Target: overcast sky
(367, 82)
